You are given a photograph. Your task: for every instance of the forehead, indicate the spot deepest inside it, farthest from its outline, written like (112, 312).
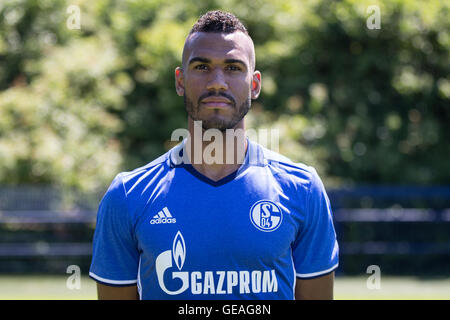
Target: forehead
(219, 46)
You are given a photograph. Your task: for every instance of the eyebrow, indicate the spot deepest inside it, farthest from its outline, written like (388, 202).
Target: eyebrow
(206, 60)
(236, 61)
(199, 59)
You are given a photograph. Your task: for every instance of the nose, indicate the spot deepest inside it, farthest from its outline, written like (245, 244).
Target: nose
(217, 81)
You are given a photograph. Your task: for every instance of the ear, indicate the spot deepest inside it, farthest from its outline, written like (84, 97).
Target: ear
(179, 81)
(256, 84)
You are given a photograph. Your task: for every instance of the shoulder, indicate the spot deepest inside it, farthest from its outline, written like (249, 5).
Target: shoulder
(285, 168)
(127, 182)
(157, 168)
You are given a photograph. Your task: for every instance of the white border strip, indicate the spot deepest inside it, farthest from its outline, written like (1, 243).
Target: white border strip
(295, 279)
(139, 285)
(314, 274)
(93, 275)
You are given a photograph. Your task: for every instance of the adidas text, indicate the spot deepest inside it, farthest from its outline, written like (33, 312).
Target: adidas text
(163, 220)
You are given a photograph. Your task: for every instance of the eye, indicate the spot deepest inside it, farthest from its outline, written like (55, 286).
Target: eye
(201, 67)
(233, 67)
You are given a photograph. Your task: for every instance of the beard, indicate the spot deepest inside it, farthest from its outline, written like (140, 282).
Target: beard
(217, 122)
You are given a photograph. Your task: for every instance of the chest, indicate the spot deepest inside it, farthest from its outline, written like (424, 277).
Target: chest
(243, 225)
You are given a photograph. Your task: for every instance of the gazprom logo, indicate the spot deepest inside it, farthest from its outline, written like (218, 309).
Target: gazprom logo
(164, 262)
(179, 250)
(266, 215)
(208, 282)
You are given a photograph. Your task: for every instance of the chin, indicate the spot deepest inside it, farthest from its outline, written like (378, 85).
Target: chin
(219, 125)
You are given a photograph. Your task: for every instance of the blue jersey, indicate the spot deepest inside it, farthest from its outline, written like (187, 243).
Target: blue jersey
(180, 235)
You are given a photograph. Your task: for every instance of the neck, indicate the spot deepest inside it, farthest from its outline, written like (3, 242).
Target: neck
(214, 153)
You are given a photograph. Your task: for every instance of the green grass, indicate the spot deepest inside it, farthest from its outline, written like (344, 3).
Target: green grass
(392, 288)
(44, 287)
(54, 287)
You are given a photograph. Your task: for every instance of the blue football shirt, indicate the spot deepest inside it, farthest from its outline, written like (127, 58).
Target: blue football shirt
(179, 235)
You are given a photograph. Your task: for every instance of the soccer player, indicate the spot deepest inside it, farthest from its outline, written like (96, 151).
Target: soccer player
(256, 226)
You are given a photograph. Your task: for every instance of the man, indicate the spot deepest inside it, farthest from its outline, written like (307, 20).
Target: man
(256, 226)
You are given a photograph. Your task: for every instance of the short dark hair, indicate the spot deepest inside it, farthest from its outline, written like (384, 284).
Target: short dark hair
(218, 21)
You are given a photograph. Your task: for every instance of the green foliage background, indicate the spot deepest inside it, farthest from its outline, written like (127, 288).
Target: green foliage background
(362, 106)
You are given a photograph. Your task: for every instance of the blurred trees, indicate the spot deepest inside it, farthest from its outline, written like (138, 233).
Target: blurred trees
(364, 106)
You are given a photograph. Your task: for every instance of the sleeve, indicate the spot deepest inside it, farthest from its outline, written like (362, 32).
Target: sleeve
(315, 251)
(115, 256)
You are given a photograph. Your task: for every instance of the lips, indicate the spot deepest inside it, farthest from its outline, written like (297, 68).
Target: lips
(216, 102)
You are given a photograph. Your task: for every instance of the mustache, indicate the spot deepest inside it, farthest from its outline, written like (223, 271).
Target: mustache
(216, 94)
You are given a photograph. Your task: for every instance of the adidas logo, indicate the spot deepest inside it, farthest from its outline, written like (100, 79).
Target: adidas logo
(163, 216)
